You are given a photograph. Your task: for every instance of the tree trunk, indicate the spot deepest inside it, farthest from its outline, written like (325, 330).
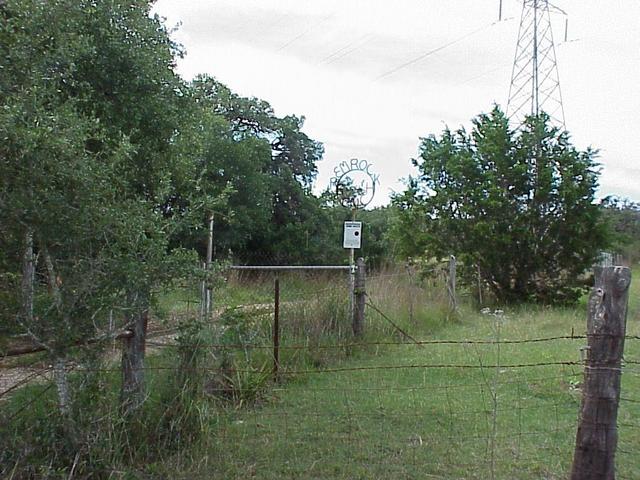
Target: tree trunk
(451, 285)
(52, 280)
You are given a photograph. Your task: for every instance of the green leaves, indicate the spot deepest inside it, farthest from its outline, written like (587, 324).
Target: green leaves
(90, 120)
(518, 205)
(269, 165)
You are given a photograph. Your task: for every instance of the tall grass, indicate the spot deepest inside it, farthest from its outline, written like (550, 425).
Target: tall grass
(381, 420)
(212, 368)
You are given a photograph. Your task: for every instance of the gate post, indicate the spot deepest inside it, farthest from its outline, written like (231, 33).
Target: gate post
(359, 294)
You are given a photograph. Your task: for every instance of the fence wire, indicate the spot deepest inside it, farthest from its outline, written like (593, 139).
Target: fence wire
(391, 405)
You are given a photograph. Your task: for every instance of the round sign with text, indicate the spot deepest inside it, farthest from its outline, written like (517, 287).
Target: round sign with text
(354, 183)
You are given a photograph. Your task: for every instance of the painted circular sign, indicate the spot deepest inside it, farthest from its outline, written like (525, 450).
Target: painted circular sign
(354, 183)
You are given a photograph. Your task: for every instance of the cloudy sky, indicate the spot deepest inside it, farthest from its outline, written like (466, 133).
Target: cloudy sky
(372, 77)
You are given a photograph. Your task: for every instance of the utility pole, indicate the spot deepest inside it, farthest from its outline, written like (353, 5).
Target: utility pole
(535, 83)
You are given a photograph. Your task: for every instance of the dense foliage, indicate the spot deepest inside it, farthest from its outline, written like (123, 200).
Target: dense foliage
(90, 112)
(112, 165)
(516, 206)
(623, 218)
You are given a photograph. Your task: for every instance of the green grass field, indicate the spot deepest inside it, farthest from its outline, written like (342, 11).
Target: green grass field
(384, 413)
(399, 410)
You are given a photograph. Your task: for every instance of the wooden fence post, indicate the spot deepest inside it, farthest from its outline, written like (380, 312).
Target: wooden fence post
(132, 395)
(411, 292)
(359, 294)
(597, 435)
(451, 285)
(479, 286)
(276, 329)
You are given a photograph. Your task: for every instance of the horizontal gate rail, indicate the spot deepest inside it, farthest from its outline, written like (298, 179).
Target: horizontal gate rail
(290, 267)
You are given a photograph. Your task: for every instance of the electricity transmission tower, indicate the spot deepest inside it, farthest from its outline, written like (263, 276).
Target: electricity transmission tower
(535, 84)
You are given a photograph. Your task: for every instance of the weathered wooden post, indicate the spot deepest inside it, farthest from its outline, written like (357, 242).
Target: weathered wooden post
(276, 329)
(132, 395)
(597, 435)
(479, 286)
(359, 294)
(411, 292)
(451, 285)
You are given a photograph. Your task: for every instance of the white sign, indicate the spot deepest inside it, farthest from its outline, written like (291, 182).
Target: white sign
(352, 234)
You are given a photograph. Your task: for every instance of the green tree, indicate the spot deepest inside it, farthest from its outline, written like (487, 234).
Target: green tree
(517, 205)
(270, 165)
(623, 218)
(231, 164)
(90, 125)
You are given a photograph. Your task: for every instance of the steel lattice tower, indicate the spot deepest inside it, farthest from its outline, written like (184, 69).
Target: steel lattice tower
(535, 84)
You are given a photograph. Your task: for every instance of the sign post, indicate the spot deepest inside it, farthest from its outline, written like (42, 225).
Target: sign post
(352, 239)
(355, 187)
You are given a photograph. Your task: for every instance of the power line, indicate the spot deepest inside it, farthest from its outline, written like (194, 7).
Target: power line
(307, 31)
(346, 50)
(433, 51)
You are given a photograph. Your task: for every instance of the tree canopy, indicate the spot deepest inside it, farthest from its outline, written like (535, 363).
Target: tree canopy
(112, 165)
(623, 219)
(515, 205)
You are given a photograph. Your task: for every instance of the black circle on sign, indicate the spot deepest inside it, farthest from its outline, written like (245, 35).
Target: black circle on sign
(356, 233)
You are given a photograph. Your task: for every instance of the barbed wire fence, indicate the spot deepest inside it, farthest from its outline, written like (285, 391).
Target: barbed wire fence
(500, 420)
(439, 408)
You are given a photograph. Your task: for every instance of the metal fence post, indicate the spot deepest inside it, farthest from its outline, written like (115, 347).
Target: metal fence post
(203, 294)
(597, 435)
(276, 328)
(208, 307)
(359, 294)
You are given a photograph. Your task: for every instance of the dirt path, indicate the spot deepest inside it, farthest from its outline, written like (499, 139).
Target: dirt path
(13, 377)
(16, 374)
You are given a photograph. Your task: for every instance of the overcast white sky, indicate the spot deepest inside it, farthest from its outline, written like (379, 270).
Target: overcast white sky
(324, 59)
